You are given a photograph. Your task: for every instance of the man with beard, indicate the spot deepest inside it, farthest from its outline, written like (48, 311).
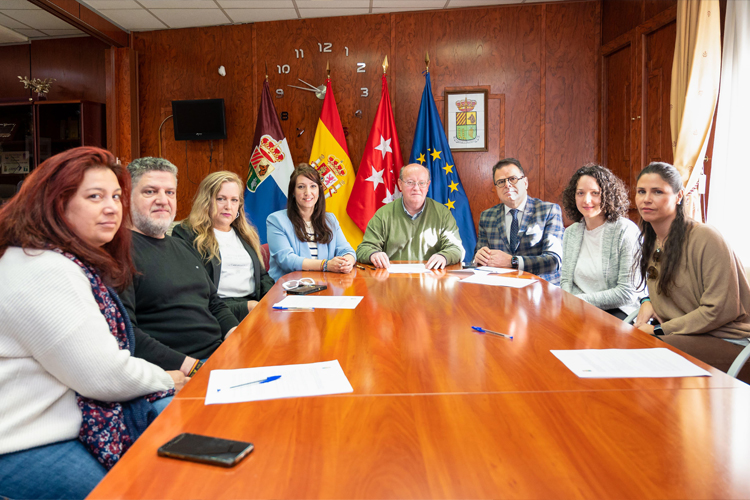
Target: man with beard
(177, 316)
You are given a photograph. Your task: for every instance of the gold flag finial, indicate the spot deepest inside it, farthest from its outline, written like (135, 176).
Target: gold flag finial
(328, 68)
(385, 65)
(427, 61)
(266, 70)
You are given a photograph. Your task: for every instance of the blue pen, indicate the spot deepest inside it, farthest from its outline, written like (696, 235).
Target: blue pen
(264, 381)
(293, 309)
(483, 330)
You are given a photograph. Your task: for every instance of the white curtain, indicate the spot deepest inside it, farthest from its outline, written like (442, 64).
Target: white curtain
(730, 171)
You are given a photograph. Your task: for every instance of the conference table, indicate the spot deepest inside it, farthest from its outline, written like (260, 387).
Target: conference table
(440, 411)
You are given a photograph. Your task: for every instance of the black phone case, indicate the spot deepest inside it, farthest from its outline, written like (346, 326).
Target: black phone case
(306, 290)
(164, 451)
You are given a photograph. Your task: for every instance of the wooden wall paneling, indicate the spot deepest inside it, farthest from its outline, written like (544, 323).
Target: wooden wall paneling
(499, 48)
(619, 17)
(76, 63)
(15, 62)
(123, 138)
(572, 94)
(617, 111)
(368, 41)
(659, 52)
(503, 48)
(183, 64)
(654, 7)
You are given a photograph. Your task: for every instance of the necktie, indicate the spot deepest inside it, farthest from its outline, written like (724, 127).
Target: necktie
(514, 231)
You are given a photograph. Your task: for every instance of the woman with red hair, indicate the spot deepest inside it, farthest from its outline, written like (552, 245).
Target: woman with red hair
(72, 393)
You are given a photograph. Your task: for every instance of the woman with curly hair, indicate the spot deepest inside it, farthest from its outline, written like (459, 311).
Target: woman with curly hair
(698, 289)
(598, 249)
(218, 231)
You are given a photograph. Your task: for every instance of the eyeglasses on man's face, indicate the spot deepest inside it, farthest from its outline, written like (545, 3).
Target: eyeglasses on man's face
(512, 179)
(421, 184)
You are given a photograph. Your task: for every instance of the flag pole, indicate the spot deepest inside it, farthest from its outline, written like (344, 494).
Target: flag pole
(427, 61)
(328, 69)
(385, 65)
(266, 70)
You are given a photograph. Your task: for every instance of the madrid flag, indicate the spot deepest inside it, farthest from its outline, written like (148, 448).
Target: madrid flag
(271, 166)
(381, 163)
(330, 157)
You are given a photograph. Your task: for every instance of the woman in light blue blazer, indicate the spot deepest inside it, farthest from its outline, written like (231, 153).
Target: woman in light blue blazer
(304, 237)
(598, 249)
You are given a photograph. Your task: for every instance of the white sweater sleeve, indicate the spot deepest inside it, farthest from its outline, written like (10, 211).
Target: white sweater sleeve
(53, 317)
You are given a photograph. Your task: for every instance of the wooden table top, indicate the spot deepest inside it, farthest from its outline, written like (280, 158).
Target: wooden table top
(439, 411)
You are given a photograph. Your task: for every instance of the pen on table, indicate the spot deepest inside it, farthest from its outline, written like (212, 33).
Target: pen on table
(361, 267)
(292, 309)
(262, 381)
(483, 330)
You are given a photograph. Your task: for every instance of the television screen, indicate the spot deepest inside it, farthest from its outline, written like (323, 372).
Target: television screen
(199, 120)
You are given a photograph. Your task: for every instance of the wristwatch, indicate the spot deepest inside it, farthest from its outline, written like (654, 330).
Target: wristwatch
(658, 331)
(514, 262)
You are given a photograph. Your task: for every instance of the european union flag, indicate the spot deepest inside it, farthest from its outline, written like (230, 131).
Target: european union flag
(431, 149)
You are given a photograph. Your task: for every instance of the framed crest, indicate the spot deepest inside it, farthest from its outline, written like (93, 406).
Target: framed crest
(466, 115)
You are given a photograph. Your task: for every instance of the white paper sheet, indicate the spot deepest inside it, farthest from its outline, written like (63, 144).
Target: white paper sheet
(628, 363)
(313, 379)
(488, 279)
(496, 270)
(407, 268)
(320, 301)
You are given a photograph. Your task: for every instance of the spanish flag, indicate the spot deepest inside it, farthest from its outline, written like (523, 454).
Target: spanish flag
(330, 157)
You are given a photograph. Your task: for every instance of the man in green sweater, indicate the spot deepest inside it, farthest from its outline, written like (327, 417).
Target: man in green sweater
(412, 228)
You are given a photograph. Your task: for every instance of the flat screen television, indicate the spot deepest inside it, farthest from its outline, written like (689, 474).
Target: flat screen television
(199, 120)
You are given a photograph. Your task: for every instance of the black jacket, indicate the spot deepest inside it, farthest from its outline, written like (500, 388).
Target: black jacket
(263, 282)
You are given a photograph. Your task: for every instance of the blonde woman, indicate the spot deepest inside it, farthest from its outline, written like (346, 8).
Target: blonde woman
(228, 244)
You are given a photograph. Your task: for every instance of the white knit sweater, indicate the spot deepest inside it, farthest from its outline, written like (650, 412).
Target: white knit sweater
(54, 342)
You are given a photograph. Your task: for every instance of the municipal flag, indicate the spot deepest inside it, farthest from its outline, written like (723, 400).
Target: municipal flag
(330, 157)
(431, 149)
(381, 162)
(271, 166)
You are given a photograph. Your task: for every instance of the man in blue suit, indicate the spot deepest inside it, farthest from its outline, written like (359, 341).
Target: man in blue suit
(521, 232)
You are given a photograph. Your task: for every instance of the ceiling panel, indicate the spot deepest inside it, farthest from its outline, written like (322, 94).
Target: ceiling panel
(68, 32)
(11, 23)
(143, 15)
(31, 33)
(409, 4)
(10, 36)
(455, 4)
(17, 4)
(38, 19)
(333, 4)
(185, 18)
(112, 4)
(255, 4)
(311, 13)
(178, 4)
(134, 20)
(260, 15)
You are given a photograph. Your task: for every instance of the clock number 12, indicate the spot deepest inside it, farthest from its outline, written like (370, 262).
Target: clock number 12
(325, 47)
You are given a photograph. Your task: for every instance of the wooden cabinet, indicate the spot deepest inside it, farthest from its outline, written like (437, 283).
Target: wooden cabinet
(31, 132)
(636, 83)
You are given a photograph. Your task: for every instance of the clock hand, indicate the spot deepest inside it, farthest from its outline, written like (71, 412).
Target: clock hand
(311, 86)
(301, 88)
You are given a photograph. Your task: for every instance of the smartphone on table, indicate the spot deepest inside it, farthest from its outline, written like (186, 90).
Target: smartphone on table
(206, 449)
(306, 290)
